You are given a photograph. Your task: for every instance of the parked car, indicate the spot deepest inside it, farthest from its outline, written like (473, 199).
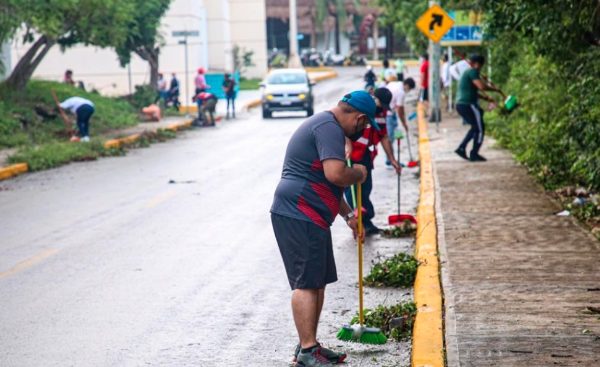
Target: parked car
(287, 90)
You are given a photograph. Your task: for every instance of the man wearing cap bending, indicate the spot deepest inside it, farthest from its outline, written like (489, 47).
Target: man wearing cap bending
(364, 151)
(307, 201)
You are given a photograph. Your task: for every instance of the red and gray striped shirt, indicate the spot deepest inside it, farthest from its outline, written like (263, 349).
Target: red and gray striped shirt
(304, 192)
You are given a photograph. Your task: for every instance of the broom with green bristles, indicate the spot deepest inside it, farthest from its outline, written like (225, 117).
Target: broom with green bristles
(359, 332)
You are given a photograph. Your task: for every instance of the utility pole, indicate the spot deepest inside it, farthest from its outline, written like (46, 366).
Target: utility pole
(184, 42)
(294, 59)
(434, 80)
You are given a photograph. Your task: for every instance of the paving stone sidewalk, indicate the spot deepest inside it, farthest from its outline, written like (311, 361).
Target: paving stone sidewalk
(517, 279)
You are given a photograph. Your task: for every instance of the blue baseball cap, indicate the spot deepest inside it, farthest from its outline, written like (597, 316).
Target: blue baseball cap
(363, 102)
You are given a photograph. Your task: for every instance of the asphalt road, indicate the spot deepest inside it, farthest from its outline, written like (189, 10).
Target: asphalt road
(107, 263)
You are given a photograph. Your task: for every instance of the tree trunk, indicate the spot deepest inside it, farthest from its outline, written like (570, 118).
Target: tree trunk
(151, 56)
(153, 62)
(29, 62)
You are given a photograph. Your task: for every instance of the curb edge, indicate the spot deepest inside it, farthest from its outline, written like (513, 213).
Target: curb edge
(427, 340)
(13, 170)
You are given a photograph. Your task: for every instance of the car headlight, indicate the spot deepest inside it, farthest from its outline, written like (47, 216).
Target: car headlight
(301, 95)
(269, 97)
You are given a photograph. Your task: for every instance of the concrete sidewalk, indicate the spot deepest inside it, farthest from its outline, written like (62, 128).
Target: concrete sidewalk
(517, 279)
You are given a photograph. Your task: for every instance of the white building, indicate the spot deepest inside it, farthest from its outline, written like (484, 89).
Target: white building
(214, 28)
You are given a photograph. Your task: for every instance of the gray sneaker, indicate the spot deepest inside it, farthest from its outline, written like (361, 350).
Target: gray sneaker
(313, 358)
(334, 357)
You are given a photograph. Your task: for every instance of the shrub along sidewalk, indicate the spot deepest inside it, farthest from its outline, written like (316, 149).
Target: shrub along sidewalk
(29, 123)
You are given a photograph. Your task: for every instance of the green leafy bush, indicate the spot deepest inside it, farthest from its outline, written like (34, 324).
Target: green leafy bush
(405, 229)
(397, 271)
(58, 153)
(555, 132)
(21, 125)
(396, 322)
(143, 96)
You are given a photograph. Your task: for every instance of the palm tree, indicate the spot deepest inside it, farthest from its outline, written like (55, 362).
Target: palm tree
(335, 9)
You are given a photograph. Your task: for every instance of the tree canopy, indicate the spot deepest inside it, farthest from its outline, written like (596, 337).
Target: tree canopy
(45, 23)
(142, 37)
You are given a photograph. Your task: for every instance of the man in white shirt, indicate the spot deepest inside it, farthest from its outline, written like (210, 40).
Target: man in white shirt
(446, 79)
(83, 109)
(399, 90)
(458, 68)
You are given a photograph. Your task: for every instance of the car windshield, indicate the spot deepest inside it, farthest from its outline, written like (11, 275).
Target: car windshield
(295, 78)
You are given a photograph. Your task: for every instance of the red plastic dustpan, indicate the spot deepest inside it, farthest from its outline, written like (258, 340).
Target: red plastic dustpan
(400, 218)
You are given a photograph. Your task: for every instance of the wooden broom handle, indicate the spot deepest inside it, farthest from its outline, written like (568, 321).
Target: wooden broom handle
(361, 316)
(60, 110)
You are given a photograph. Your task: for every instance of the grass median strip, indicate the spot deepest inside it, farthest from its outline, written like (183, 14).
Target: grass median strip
(396, 321)
(397, 271)
(60, 153)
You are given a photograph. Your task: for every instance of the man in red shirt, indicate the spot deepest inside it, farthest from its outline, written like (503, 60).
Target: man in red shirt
(424, 72)
(207, 103)
(364, 151)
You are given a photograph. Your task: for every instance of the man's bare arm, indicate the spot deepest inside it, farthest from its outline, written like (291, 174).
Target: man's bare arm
(339, 174)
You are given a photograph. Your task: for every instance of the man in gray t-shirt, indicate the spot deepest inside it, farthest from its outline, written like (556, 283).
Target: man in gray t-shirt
(307, 201)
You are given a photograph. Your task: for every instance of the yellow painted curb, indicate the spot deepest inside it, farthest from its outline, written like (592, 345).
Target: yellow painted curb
(428, 339)
(130, 139)
(13, 170)
(188, 109)
(253, 103)
(180, 125)
(325, 76)
(311, 69)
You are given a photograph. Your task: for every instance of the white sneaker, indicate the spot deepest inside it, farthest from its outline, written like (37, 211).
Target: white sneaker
(85, 139)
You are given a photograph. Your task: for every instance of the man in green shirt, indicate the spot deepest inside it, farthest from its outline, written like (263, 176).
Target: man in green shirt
(470, 89)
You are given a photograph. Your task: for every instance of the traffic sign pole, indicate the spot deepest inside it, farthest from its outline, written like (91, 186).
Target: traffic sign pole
(434, 23)
(434, 80)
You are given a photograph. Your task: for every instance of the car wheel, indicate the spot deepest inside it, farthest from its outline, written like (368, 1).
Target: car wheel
(310, 111)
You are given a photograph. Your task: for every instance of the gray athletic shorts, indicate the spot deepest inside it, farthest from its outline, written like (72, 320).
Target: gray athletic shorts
(307, 252)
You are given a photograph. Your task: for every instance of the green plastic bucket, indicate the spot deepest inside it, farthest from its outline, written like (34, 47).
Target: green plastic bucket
(510, 103)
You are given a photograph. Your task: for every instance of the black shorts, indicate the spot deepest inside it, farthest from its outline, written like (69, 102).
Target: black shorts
(307, 252)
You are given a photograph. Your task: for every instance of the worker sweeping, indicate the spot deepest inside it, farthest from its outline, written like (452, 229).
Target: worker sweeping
(364, 151)
(307, 201)
(83, 109)
(470, 89)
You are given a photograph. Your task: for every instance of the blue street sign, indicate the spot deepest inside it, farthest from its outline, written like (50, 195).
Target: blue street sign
(463, 30)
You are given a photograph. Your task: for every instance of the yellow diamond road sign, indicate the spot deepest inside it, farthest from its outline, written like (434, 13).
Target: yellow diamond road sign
(434, 23)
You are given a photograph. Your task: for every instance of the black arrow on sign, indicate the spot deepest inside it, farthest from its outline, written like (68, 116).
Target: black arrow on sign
(436, 19)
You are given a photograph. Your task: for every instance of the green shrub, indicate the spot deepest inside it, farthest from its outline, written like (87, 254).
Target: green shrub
(405, 229)
(397, 271)
(396, 322)
(21, 125)
(143, 96)
(58, 153)
(556, 130)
